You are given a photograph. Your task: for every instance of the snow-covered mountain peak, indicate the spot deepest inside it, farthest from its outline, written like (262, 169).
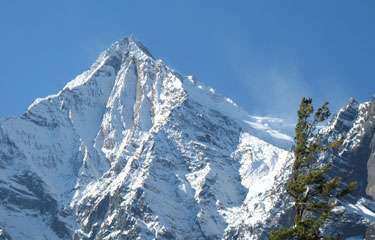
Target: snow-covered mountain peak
(129, 46)
(126, 93)
(121, 52)
(130, 127)
(128, 70)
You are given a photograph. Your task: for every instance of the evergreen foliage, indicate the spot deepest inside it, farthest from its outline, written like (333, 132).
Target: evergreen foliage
(313, 190)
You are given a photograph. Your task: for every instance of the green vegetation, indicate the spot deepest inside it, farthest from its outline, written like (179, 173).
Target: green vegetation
(313, 190)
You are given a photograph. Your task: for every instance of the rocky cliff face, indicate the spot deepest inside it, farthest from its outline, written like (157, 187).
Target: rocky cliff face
(130, 149)
(356, 122)
(353, 162)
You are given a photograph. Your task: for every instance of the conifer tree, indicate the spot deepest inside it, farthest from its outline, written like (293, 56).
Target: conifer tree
(310, 185)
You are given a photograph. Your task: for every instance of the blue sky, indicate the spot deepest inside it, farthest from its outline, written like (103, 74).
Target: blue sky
(264, 55)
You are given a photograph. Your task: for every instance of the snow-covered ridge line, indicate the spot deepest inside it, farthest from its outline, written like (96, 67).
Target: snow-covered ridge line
(260, 126)
(129, 48)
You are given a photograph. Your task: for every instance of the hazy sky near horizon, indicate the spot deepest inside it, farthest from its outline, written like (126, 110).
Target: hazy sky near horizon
(265, 55)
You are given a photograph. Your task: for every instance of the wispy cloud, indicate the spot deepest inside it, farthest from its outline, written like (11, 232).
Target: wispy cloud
(274, 90)
(273, 84)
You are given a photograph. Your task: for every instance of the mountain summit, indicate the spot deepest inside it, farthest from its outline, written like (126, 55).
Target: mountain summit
(130, 149)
